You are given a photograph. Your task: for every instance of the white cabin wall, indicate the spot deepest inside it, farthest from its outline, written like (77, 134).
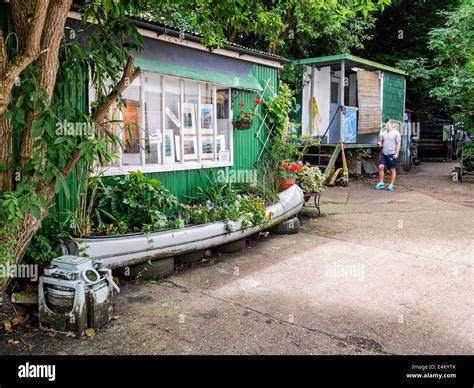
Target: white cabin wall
(321, 90)
(305, 98)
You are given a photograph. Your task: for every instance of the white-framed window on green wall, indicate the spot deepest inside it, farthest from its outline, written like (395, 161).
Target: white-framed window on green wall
(171, 123)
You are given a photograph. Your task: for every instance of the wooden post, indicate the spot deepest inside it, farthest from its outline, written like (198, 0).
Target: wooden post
(311, 96)
(214, 120)
(142, 129)
(181, 116)
(198, 123)
(163, 121)
(341, 101)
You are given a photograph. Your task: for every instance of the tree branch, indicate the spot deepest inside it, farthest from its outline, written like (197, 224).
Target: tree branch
(130, 73)
(29, 54)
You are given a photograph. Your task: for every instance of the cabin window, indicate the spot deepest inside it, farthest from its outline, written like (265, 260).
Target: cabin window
(170, 123)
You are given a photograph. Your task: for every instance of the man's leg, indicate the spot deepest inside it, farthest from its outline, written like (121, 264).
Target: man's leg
(382, 162)
(393, 171)
(381, 173)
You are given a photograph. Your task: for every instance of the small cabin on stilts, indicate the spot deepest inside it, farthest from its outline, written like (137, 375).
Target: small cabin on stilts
(344, 102)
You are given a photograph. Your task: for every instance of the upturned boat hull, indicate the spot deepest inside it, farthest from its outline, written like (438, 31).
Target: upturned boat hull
(125, 250)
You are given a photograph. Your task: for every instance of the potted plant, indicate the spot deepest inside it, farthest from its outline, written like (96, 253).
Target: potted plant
(288, 174)
(311, 180)
(244, 118)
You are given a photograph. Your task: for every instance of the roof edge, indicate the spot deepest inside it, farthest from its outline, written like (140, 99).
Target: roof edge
(183, 35)
(193, 37)
(340, 57)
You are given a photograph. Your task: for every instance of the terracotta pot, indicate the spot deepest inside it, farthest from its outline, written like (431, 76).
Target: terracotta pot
(286, 184)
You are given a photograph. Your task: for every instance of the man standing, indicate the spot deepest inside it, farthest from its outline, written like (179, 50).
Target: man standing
(390, 141)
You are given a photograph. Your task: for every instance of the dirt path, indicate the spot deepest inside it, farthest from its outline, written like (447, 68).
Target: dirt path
(380, 273)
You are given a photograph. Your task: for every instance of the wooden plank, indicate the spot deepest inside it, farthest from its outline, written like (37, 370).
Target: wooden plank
(332, 162)
(370, 110)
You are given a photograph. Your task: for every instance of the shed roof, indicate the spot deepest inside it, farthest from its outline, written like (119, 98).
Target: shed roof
(164, 28)
(351, 60)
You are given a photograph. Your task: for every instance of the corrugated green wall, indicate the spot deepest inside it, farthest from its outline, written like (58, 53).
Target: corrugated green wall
(393, 95)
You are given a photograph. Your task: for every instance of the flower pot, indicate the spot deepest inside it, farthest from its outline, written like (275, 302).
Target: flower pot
(243, 125)
(286, 184)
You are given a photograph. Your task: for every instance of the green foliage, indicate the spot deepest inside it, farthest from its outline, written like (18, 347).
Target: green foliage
(311, 179)
(293, 28)
(102, 50)
(453, 44)
(133, 203)
(401, 37)
(244, 119)
(279, 108)
(52, 232)
(248, 209)
(292, 75)
(267, 183)
(290, 147)
(448, 73)
(216, 193)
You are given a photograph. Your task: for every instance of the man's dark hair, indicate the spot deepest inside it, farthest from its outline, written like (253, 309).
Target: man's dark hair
(387, 120)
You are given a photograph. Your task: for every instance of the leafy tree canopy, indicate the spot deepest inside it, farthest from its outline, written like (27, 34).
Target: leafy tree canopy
(293, 28)
(433, 41)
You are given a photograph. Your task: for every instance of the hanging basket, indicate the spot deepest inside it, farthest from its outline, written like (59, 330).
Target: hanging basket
(243, 124)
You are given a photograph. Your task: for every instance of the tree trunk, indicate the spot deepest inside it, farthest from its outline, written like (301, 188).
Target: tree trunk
(30, 225)
(48, 25)
(40, 26)
(6, 155)
(6, 151)
(27, 230)
(48, 66)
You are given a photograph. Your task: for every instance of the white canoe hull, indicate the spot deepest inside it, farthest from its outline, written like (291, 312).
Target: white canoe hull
(123, 250)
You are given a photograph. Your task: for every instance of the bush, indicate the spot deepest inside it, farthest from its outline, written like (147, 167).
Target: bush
(133, 204)
(311, 179)
(52, 232)
(247, 208)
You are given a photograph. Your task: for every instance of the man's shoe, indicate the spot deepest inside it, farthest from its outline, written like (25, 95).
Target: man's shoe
(379, 186)
(391, 188)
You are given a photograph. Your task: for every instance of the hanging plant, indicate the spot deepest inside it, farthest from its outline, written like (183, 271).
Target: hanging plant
(244, 119)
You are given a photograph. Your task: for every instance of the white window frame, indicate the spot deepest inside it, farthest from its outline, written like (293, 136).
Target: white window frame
(182, 165)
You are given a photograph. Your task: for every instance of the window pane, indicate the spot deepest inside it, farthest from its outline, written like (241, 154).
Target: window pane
(172, 98)
(206, 121)
(172, 119)
(190, 125)
(153, 110)
(223, 125)
(190, 97)
(131, 124)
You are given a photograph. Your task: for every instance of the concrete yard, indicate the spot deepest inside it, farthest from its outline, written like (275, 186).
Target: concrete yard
(379, 273)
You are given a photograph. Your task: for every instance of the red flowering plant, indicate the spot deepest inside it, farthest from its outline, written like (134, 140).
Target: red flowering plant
(244, 118)
(290, 170)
